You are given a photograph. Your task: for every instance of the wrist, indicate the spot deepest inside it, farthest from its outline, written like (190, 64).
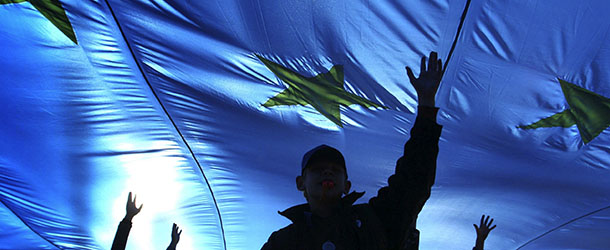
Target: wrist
(426, 112)
(128, 218)
(426, 102)
(479, 244)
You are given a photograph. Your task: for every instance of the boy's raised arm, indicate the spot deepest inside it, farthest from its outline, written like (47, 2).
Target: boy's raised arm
(122, 233)
(398, 204)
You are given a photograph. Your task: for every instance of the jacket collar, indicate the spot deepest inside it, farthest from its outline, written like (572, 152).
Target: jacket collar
(295, 213)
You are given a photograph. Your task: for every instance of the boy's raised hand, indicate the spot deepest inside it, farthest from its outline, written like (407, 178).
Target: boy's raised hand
(483, 230)
(131, 209)
(429, 80)
(176, 232)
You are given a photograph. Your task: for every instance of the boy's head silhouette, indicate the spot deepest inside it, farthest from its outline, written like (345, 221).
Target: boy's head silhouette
(323, 178)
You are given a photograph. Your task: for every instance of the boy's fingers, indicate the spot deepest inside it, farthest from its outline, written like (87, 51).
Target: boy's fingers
(423, 65)
(411, 75)
(439, 67)
(432, 61)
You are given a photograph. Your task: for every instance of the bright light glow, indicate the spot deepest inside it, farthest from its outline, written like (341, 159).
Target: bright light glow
(152, 179)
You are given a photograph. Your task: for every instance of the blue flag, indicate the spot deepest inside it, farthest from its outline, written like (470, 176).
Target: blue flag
(204, 109)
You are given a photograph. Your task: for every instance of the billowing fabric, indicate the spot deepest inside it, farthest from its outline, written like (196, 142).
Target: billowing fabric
(203, 109)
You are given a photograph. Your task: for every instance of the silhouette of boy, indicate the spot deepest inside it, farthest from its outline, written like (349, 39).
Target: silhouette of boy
(330, 221)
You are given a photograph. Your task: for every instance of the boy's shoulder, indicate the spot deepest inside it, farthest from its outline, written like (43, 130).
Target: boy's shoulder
(284, 238)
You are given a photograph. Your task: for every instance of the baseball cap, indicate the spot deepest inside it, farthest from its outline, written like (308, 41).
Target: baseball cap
(322, 153)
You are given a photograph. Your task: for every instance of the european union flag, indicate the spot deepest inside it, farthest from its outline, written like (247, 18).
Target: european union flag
(205, 108)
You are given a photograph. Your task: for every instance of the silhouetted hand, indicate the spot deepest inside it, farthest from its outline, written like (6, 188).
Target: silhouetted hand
(176, 232)
(131, 208)
(122, 233)
(482, 231)
(429, 80)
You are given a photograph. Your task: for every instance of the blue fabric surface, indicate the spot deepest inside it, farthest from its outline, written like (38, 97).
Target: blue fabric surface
(165, 99)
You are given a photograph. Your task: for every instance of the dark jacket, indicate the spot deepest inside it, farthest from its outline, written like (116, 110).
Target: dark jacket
(122, 233)
(387, 221)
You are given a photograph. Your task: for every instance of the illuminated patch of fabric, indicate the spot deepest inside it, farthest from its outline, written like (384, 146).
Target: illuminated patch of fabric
(324, 92)
(589, 111)
(52, 11)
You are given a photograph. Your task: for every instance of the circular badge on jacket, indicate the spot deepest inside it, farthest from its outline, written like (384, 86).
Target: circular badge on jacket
(328, 246)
